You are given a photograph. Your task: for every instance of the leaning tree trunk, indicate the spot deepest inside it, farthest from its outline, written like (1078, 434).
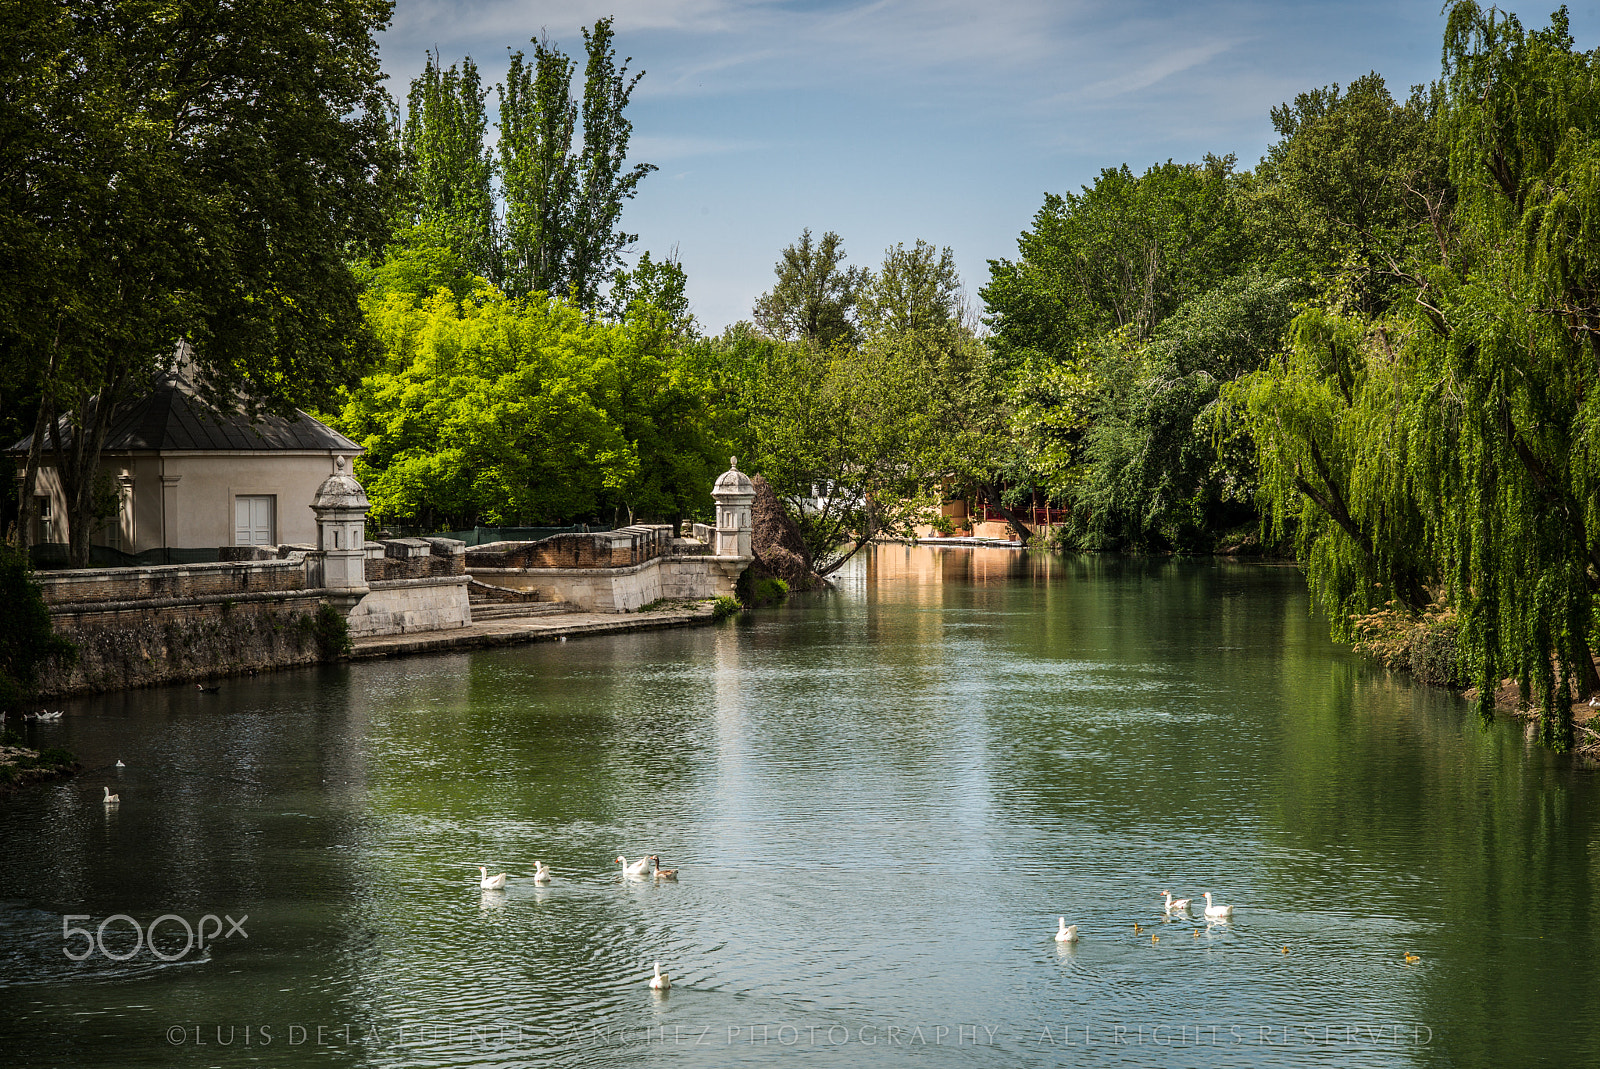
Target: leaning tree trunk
(991, 497)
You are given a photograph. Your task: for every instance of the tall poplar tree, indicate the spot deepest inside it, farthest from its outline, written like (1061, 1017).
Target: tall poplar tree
(562, 205)
(448, 168)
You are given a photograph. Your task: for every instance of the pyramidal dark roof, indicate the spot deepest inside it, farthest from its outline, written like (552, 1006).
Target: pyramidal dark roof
(173, 419)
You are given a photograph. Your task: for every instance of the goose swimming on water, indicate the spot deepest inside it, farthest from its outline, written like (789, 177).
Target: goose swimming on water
(660, 981)
(111, 799)
(634, 868)
(1217, 913)
(1067, 933)
(491, 883)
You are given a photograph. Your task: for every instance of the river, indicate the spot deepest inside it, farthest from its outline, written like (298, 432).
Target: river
(880, 799)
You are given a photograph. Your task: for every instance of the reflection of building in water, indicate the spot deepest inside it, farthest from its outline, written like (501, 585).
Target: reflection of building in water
(936, 565)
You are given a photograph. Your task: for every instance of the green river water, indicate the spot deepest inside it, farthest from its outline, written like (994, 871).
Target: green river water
(880, 798)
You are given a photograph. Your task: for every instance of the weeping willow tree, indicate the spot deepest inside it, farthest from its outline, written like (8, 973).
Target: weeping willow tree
(1445, 449)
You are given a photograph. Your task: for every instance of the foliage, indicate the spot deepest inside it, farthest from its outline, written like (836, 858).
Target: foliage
(1423, 644)
(1354, 193)
(331, 631)
(185, 171)
(28, 642)
(1124, 253)
(814, 299)
(725, 607)
(508, 412)
(447, 167)
(915, 289)
(1440, 448)
(1155, 472)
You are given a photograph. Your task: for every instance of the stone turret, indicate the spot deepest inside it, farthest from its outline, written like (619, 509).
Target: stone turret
(734, 493)
(341, 508)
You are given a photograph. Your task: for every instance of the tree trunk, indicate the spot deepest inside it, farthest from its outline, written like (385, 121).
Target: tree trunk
(991, 498)
(27, 507)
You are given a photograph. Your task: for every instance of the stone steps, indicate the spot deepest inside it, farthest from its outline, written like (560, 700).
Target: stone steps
(514, 610)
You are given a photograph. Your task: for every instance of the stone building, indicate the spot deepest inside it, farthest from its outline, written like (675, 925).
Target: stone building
(191, 478)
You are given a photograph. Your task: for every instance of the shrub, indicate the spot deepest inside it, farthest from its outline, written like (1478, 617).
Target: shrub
(1425, 645)
(725, 607)
(332, 633)
(28, 641)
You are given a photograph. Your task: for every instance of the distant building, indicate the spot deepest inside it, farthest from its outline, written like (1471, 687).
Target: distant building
(191, 478)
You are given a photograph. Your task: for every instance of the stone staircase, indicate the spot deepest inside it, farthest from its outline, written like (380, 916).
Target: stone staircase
(485, 610)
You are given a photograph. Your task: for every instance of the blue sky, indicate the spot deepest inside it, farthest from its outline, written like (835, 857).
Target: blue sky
(946, 120)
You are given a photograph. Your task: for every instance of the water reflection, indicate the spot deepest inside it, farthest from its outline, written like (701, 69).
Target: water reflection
(880, 798)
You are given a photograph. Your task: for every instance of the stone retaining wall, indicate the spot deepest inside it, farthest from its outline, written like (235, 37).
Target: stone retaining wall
(400, 607)
(143, 643)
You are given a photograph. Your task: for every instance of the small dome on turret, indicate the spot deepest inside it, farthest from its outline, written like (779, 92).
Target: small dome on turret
(733, 481)
(340, 490)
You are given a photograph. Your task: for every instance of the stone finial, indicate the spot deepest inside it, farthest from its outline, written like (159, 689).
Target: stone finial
(733, 463)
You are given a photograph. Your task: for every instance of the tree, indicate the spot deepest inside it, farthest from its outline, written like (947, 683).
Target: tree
(537, 122)
(1443, 446)
(915, 289)
(562, 208)
(603, 183)
(28, 642)
(814, 299)
(491, 410)
(1156, 472)
(189, 172)
(1354, 192)
(448, 169)
(1124, 253)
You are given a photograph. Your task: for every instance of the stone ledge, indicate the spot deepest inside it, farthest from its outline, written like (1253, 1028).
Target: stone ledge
(514, 632)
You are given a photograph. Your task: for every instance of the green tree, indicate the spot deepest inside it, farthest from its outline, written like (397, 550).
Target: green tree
(562, 207)
(915, 289)
(1444, 447)
(489, 410)
(28, 642)
(1354, 194)
(1124, 253)
(189, 172)
(1156, 472)
(448, 169)
(538, 118)
(604, 180)
(815, 298)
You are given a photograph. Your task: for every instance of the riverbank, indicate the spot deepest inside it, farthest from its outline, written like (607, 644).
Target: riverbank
(23, 767)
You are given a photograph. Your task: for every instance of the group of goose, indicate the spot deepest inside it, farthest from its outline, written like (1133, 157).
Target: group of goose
(649, 865)
(1068, 933)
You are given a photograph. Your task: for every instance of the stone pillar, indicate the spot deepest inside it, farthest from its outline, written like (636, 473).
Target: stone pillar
(734, 494)
(341, 510)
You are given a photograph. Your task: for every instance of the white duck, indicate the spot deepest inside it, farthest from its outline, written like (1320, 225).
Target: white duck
(634, 868)
(541, 872)
(1217, 913)
(491, 883)
(111, 799)
(1067, 933)
(660, 981)
(1177, 905)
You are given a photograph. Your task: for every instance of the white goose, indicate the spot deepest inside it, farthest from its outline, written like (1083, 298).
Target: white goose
(634, 868)
(1217, 913)
(491, 883)
(111, 799)
(660, 981)
(541, 872)
(1177, 905)
(1067, 933)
